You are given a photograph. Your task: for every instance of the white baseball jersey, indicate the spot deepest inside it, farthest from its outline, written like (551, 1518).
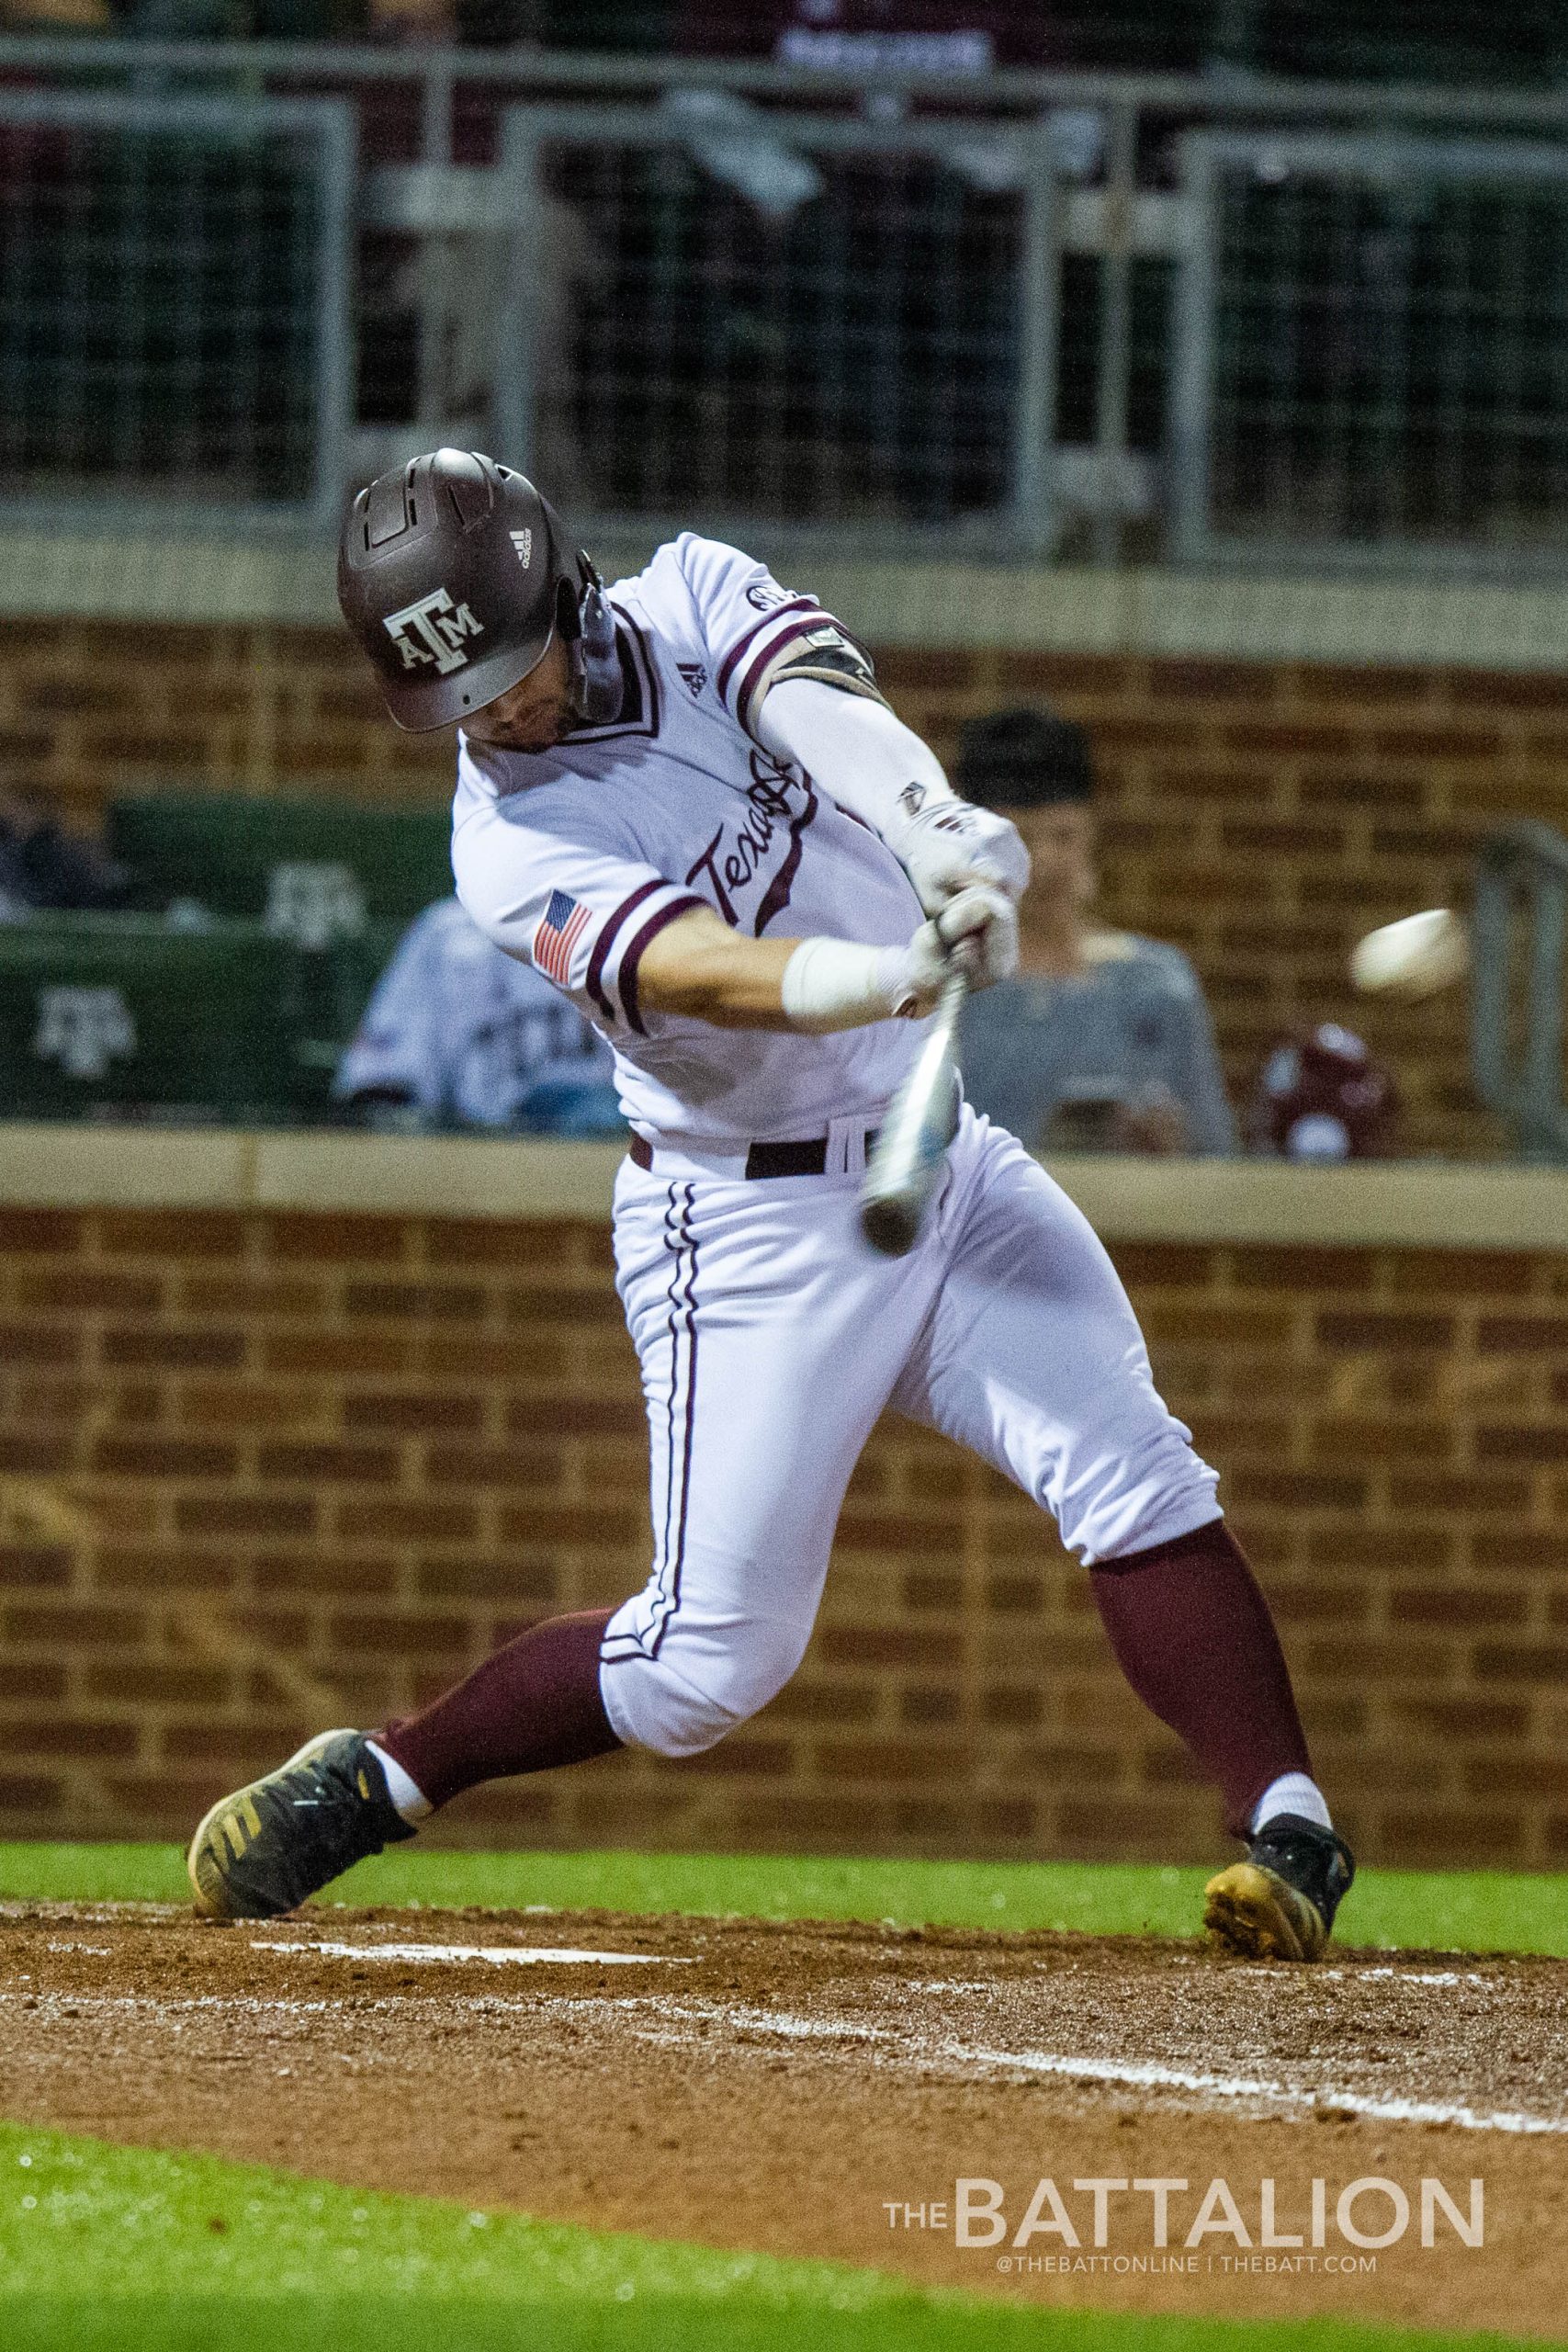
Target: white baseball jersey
(467, 1032)
(576, 858)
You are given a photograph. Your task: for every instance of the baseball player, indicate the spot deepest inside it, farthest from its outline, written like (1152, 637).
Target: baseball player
(468, 1036)
(684, 800)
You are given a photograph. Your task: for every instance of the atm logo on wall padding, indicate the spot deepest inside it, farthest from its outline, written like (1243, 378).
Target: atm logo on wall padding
(431, 630)
(84, 1029)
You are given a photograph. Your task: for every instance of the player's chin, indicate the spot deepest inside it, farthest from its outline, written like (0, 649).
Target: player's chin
(534, 735)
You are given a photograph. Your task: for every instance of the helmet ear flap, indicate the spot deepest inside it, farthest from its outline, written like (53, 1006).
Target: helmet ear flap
(597, 685)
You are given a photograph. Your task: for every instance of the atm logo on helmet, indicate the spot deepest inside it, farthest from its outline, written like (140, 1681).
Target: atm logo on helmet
(432, 631)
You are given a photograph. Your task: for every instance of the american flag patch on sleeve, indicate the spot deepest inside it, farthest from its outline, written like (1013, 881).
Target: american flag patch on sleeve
(565, 921)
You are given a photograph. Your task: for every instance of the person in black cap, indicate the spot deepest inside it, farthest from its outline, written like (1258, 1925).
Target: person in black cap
(1102, 1041)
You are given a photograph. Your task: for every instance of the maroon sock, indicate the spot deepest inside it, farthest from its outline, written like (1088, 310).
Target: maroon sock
(530, 1705)
(1193, 1635)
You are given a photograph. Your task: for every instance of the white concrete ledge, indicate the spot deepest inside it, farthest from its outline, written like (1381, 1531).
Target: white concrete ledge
(1422, 1204)
(912, 601)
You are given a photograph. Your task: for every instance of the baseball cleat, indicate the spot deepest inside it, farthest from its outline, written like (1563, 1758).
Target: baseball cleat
(1279, 1904)
(267, 1847)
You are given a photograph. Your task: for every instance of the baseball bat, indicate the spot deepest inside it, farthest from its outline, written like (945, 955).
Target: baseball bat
(912, 1146)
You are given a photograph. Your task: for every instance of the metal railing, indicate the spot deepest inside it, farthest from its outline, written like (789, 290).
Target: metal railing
(1519, 933)
(1070, 312)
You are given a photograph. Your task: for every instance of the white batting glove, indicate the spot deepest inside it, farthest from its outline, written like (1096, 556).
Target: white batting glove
(948, 844)
(832, 984)
(978, 928)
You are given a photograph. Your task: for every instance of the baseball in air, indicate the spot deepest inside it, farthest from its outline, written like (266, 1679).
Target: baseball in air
(1413, 957)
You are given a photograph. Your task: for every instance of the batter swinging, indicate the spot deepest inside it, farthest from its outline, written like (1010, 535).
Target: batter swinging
(685, 801)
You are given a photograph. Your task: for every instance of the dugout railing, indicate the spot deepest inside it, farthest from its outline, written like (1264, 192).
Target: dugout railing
(1134, 318)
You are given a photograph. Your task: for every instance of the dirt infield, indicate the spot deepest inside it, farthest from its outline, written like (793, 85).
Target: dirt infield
(821, 2090)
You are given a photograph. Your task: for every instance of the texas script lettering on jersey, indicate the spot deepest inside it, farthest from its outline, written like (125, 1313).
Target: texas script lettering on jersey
(737, 854)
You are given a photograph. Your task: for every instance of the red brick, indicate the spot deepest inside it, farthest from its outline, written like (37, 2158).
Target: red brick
(336, 1238)
(743, 1756)
(454, 1302)
(34, 1565)
(22, 1794)
(1297, 1489)
(53, 1735)
(537, 1467)
(245, 1514)
(151, 1682)
(396, 1633)
(35, 1453)
(163, 1457)
(39, 1343)
(159, 1569)
(1434, 1604)
(807, 1701)
(892, 1759)
(324, 1352)
(31, 1677)
(508, 1581)
(883, 1645)
(1377, 1327)
(251, 1295)
(1463, 1720)
(52, 1233)
(451, 1521)
(322, 1464)
(1355, 683)
(1472, 1492)
(506, 1244)
(177, 1350)
(89, 1290)
(440, 1409)
(1522, 1662)
(1303, 1267)
(1503, 1442)
(1522, 1332)
(164, 1233)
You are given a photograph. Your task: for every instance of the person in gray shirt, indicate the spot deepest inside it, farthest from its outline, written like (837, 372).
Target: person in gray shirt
(1103, 1041)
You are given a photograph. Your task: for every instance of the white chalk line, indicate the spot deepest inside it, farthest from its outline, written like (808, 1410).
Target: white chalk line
(1135, 2074)
(495, 1956)
(900, 2045)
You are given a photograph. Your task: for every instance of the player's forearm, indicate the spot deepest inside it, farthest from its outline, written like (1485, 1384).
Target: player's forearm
(700, 968)
(855, 749)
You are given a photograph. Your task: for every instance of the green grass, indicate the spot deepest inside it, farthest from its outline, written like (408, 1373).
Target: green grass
(1448, 1910)
(109, 2249)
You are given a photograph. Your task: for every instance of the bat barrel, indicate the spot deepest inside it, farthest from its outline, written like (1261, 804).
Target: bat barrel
(910, 1149)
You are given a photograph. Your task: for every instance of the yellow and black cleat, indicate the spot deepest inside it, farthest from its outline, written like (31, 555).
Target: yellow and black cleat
(267, 1847)
(1279, 1904)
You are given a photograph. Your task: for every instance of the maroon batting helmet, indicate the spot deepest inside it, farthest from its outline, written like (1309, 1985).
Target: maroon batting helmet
(1321, 1095)
(455, 576)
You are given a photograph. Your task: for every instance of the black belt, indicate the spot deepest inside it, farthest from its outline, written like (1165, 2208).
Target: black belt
(805, 1157)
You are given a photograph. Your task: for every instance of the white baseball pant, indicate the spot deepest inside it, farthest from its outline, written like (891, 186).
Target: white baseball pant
(771, 1337)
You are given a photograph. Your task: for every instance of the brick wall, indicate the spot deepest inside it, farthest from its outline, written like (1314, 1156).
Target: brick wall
(1260, 814)
(259, 1474)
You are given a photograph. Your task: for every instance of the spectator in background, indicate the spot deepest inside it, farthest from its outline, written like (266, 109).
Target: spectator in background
(1103, 1041)
(467, 1036)
(44, 869)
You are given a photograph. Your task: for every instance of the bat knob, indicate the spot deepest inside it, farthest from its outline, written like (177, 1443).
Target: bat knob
(890, 1225)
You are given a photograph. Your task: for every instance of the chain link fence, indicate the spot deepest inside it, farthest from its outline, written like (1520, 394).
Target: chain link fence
(1230, 320)
(174, 319)
(823, 326)
(1372, 354)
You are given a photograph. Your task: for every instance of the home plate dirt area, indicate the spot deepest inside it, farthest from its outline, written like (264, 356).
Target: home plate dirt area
(820, 2090)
